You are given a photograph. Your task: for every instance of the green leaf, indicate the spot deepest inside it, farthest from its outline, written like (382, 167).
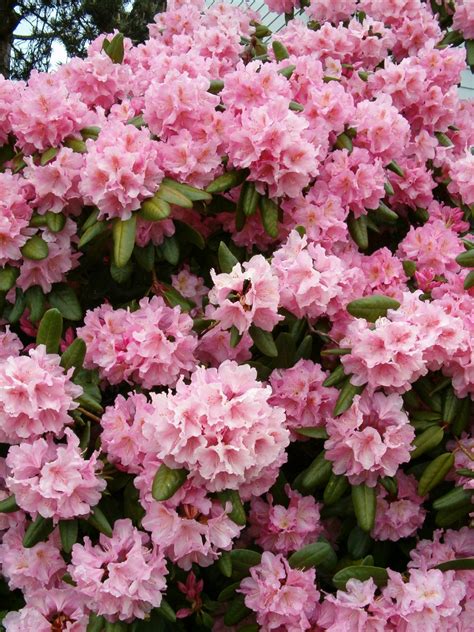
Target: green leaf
(358, 230)
(358, 543)
(395, 168)
(447, 517)
(176, 299)
(435, 472)
(91, 220)
(335, 489)
(362, 573)
(250, 198)
(365, 505)
(315, 475)
(35, 248)
(227, 260)
(92, 232)
(237, 514)
(78, 146)
(50, 330)
(305, 349)
(145, 257)
(63, 298)
(466, 259)
(170, 249)
(228, 592)
(227, 181)
(225, 564)
(443, 140)
(280, 51)
(8, 505)
(36, 302)
(454, 498)
(98, 520)
(372, 307)
(464, 471)
(37, 531)
(55, 221)
(462, 421)
(336, 377)
(314, 432)
(123, 233)
(96, 623)
(114, 48)
(192, 193)
(90, 403)
(74, 355)
(346, 397)
(343, 141)
(390, 484)
(269, 215)
(426, 441)
(294, 106)
(469, 280)
(121, 275)
(287, 71)
(264, 342)
(235, 336)
(18, 307)
(243, 560)
(8, 276)
(172, 196)
(69, 530)
(385, 214)
(167, 482)
(461, 564)
(314, 556)
(236, 611)
(187, 233)
(166, 611)
(215, 86)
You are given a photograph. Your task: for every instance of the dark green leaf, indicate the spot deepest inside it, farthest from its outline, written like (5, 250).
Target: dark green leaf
(226, 259)
(74, 355)
(37, 531)
(64, 299)
(167, 482)
(68, 530)
(50, 330)
(362, 573)
(264, 342)
(372, 307)
(365, 505)
(435, 472)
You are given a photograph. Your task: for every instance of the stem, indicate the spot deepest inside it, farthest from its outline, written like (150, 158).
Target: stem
(88, 414)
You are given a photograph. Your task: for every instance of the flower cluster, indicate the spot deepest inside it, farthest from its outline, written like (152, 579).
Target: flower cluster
(237, 325)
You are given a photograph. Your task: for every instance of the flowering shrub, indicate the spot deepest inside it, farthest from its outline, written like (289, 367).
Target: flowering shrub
(236, 326)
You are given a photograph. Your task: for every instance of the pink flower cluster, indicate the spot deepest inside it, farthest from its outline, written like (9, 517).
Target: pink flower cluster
(150, 346)
(221, 427)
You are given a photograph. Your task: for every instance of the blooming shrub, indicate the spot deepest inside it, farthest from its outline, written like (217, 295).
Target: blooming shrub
(236, 326)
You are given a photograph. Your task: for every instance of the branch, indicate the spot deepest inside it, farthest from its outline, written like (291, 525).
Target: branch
(34, 36)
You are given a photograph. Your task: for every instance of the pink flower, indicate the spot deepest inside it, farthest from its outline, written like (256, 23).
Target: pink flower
(151, 346)
(15, 214)
(10, 344)
(371, 439)
(40, 566)
(122, 436)
(221, 428)
(307, 275)
(282, 529)
(60, 260)
(190, 285)
(55, 184)
(120, 170)
(463, 19)
(301, 393)
(191, 527)
(54, 480)
(214, 347)
(121, 577)
(247, 295)
(351, 609)
(462, 176)
(47, 610)
(326, 11)
(281, 597)
(401, 516)
(35, 395)
(46, 113)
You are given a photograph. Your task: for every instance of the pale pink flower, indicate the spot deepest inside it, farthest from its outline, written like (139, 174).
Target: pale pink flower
(15, 214)
(463, 19)
(327, 11)
(214, 346)
(401, 516)
(36, 395)
(308, 276)
(151, 346)
(121, 577)
(47, 610)
(120, 170)
(40, 566)
(54, 480)
(282, 597)
(371, 439)
(246, 296)
(190, 285)
(350, 610)
(221, 428)
(281, 529)
(462, 177)
(191, 527)
(10, 344)
(301, 393)
(122, 436)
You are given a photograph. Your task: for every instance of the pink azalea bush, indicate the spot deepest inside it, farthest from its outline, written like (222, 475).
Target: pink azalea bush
(236, 325)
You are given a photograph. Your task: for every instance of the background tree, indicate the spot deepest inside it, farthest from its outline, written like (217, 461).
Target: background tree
(29, 28)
